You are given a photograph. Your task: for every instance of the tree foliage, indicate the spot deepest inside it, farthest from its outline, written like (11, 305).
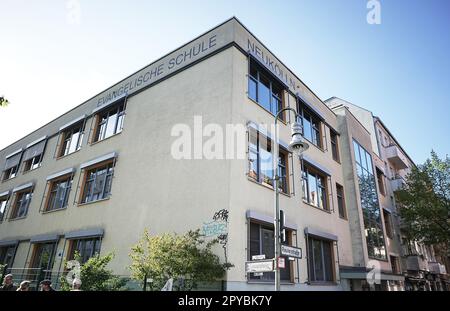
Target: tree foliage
(95, 276)
(3, 101)
(188, 257)
(425, 203)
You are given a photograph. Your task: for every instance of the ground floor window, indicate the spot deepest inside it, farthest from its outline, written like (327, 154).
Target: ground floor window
(262, 242)
(7, 255)
(320, 260)
(84, 248)
(42, 260)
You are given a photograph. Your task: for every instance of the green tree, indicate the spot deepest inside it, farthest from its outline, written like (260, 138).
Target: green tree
(188, 257)
(3, 101)
(95, 276)
(425, 204)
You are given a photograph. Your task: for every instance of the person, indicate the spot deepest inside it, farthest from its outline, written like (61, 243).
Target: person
(46, 286)
(76, 285)
(8, 284)
(24, 286)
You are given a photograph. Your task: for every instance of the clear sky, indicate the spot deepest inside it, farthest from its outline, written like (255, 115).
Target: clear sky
(52, 58)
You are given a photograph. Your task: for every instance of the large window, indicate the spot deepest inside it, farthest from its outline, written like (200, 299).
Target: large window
(109, 122)
(260, 161)
(311, 124)
(12, 166)
(42, 260)
(7, 255)
(21, 203)
(264, 89)
(314, 187)
(334, 146)
(58, 195)
(3, 204)
(84, 248)
(97, 183)
(380, 179)
(341, 201)
(32, 157)
(369, 203)
(320, 260)
(388, 224)
(72, 139)
(262, 243)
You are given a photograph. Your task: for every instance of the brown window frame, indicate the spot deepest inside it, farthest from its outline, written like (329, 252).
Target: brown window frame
(389, 229)
(342, 196)
(311, 170)
(119, 108)
(7, 174)
(72, 244)
(85, 175)
(15, 208)
(52, 183)
(4, 199)
(381, 181)
(64, 135)
(310, 257)
(335, 146)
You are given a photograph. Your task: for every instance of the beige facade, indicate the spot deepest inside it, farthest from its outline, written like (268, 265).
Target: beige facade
(150, 189)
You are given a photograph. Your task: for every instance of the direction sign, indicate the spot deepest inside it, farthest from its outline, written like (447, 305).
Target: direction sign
(258, 257)
(259, 266)
(291, 251)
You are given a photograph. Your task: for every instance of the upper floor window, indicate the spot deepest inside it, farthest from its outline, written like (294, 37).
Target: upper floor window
(84, 248)
(314, 187)
(388, 224)
(341, 201)
(12, 165)
(3, 204)
(260, 161)
(320, 260)
(334, 145)
(72, 138)
(311, 124)
(97, 182)
(264, 89)
(380, 180)
(58, 195)
(109, 122)
(33, 155)
(21, 203)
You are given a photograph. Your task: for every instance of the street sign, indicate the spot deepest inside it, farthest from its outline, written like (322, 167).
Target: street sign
(281, 263)
(259, 266)
(291, 251)
(258, 257)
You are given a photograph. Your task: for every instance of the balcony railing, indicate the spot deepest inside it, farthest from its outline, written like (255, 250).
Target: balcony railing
(396, 156)
(416, 263)
(397, 183)
(437, 268)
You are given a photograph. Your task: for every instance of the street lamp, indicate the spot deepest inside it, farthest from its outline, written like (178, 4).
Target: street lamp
(297, 145)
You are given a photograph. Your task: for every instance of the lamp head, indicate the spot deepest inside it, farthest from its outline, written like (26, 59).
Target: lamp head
(297, 144)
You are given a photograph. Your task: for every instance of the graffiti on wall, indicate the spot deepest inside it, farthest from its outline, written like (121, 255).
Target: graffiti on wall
(218, 228)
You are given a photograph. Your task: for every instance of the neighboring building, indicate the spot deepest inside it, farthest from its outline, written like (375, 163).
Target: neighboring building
(93, 179)
(415, 261)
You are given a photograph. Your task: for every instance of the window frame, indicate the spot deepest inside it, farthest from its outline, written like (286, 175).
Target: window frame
(388, 225)
(18, 197)
(341, 197)
(314, 121)
(310, 259)
(381, 182)
(73, 247)
(102, 117)
(67, 190)
(5, 199)
(64, 136)
(33, 163)
(96, 167)
(309, 170)
(4, 252)
(335, 154)
(7, 174)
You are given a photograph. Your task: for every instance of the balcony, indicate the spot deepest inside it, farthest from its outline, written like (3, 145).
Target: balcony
(397, 183)
(416, 263)
(397, 157)
(437, 268)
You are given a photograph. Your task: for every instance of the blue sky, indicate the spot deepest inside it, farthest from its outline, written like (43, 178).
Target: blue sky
(398, 69)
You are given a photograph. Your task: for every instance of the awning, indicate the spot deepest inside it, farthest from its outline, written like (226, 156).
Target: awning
(8, 243)
(99, 159)
(35, 149)
(12, 159)
(320, 234)
(24, 186)
(73, 122)
(86, 233)
(45, 238)
(61, 173)
(4, 194)
(316, 165)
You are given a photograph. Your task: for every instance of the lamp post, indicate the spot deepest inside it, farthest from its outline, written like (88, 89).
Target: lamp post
(296, 145)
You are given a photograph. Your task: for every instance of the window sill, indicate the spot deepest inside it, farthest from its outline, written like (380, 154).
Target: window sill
(54, 210)
(93, 202)
(17, 218)
(320, 209)
(32, 170)
(322, 283)
(267, 186)
(99, 141)
(66, 155)
(269, 112)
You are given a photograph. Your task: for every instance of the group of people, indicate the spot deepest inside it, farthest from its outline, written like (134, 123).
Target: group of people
(45, 285)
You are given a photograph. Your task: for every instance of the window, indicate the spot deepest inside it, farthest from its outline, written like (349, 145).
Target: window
(32, 157)
(334, 146)
(97, 184)
(262, 243)
(369, 203)
(395, 265)
(388, 224)
(314, 188)
(320, 260)
(58, 195)
(21, 204)
(85, 248)
(264, 89)
(380, 179)
(260, 161)
(3, 204)
(7, 255)
(72, 139)
(42, 260)
(311, 124)
(341, 201)
(109, 122)
(12, 166)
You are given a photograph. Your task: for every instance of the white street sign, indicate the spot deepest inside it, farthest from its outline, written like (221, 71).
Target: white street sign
(259, 266)
(258, 257)
(291, 251)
